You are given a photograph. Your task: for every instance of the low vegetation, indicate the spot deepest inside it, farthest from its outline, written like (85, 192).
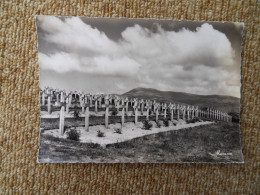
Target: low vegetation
(100, 133)
(118, 131)
(76, 114)
(114, 112)
(73, 134)
(158, 124)
(194, 120)
(147, 125)
(166, 123)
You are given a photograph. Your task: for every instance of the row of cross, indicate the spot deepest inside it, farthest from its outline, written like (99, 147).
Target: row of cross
(64, 99)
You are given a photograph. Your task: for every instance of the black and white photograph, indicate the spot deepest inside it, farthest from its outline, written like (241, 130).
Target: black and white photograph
(118, 90)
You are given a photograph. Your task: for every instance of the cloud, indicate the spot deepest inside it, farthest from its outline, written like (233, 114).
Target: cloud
(59, 62)
(197, 61)
(118, 67)
(76, 35)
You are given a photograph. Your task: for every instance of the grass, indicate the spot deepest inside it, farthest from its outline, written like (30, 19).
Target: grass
(186, 145)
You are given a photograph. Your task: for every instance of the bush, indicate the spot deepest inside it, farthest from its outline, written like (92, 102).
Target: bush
(194, 120)
(73, 134)
(166, 123)
(147, 125)
(66, 128)
(114, 113)
(100, 133)
(174, 124)
(118, 130)
(168, 113)
(76, 114)
(235, 117)
(150, 112)
(158, 124)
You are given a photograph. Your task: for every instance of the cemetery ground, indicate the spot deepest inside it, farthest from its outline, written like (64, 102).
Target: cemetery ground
(80, 127)
(215, 142)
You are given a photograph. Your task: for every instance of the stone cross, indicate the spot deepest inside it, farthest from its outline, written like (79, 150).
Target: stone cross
(178, 111)
(171, 110)
(136, 110)
(67, 103)
(96, 103)
(142, 105)
(43, 97)
(123, 114)
(183, 111)
(57, 94)
(197, 111)
(82, 97)
(188, 112)
(90, 100)
(127, 103)
(49, 100)
(70, 98)
(148, 107)
(154, 103)
(87, 105)
(131, 102)
(192, 112)
(164, 107)
(122, 102)
(100, 101)
(156, 106)
(117, 104)
(107, 110)
(208, 112)
(62, 117)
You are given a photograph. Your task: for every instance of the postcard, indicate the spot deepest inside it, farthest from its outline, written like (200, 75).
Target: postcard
(118, 90)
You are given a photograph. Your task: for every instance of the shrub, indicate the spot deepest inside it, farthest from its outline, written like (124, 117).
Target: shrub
(147, 125)
(114, 112)
(100, 133)
(73, 134)
(158, 124)
(168, 113)
(150, 112)
(66, 128)
(194, 120)
(118, 130)
(76, 114)
(166, 123)
(235, 117)
(174, 123)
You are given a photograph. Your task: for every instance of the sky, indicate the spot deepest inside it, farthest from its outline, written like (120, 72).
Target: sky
(105, 55)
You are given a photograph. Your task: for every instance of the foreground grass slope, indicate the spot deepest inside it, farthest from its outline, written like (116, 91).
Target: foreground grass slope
(187, 145)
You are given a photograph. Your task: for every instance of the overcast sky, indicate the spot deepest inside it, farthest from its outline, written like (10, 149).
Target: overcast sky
(117, 55)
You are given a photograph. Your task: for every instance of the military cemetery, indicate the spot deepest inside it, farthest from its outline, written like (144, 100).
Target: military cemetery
(138, 91)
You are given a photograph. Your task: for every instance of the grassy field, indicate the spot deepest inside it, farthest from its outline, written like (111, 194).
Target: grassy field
(186, 145)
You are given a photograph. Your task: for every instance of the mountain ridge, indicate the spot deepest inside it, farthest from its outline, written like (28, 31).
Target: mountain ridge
(221, 102)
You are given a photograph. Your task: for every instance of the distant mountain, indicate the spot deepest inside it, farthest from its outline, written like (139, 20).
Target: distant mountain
(223, 103)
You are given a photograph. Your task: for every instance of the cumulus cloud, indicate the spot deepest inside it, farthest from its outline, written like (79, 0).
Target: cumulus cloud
(192, 61)
(60, 62)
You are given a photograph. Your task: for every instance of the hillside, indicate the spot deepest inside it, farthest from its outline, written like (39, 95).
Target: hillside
(223, 103)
